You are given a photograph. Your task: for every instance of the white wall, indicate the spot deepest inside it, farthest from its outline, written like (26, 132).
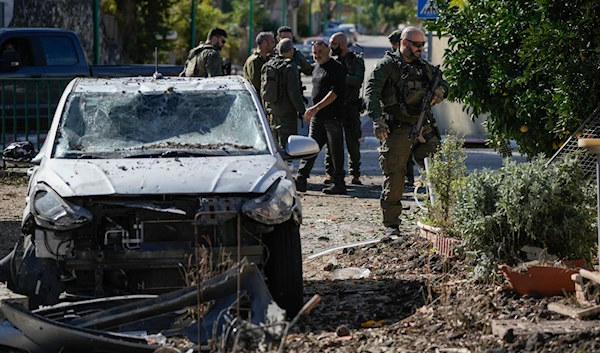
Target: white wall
(447, 112)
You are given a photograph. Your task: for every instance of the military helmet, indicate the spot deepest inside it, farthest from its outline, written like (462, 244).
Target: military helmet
(395, 36)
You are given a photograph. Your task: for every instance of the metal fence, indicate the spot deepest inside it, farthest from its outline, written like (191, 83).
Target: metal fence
(589, 129)
(27, 107)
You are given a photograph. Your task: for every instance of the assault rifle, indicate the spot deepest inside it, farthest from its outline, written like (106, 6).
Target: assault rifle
(416, 133)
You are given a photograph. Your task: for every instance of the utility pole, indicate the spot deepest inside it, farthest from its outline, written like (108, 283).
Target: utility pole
(375, 29)
(193, 27)
(96, 12)
(325, 15)
(310, 18)
(359, 10)
(283, 12)
(250, 27)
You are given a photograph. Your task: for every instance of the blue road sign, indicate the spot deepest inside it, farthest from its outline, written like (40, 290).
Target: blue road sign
(426, 9)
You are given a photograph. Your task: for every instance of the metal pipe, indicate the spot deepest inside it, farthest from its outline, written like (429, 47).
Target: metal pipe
(310, 18)
(375, 30)
(250, 27)
(598, 201)
(325, 14)
(283, 12)
(96, 32)
(193, 26)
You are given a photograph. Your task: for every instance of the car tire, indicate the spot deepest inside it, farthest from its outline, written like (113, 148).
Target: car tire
(283, 267)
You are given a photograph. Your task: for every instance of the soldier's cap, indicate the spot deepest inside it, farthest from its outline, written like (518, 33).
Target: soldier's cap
(395, 36)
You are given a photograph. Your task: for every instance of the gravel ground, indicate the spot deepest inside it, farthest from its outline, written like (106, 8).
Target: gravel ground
(409, 299)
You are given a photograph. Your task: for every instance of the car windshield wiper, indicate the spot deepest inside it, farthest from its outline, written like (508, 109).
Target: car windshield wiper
(81, 156)
(171, 153)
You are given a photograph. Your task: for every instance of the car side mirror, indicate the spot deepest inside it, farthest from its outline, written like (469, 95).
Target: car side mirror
(300, 147)
(11, 61)
(20, 153)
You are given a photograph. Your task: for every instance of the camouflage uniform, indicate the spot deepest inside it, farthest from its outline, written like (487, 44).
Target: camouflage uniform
(355, 74)
(397, 88)
(284, 112)
(203, 61)
(252, 68)
(304, 66)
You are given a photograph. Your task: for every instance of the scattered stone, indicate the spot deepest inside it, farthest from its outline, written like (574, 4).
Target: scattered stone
(534, 342)
(496, 350)
(509, 336)
(386, 239)
(454, 335)
(342, 331)
(435, 327)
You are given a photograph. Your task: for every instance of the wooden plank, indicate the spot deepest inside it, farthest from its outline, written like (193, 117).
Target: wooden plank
(592, 276)
(576, 313)
(557, 327)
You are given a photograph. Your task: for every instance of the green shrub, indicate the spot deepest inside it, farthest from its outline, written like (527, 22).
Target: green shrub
(551, 207)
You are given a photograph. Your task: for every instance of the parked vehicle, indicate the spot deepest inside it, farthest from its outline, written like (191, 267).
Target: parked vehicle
(306, 50)
(137, 172)
(33, 76)
(331, 31)
(50, 52)
(350, 31)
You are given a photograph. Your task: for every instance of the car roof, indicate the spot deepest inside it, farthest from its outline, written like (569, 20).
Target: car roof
(150, 84)
(30, 31)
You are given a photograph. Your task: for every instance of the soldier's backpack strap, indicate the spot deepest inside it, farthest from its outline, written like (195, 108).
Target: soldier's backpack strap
(400, 85)
(280, 65)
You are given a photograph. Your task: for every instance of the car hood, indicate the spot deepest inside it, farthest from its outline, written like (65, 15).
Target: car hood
(148, 176)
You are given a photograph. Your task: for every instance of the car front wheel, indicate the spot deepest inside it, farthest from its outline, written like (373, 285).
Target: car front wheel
(283, 267)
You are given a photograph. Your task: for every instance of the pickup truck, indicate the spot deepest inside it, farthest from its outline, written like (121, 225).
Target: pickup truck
(35, 65)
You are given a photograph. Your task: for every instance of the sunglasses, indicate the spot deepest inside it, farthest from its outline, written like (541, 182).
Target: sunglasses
(319, 42)
(417, 44)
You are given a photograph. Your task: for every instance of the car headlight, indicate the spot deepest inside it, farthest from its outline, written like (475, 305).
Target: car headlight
(274, 207)
(53, 212)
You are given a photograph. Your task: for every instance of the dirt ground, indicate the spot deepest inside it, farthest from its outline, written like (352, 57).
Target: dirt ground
(408, 299)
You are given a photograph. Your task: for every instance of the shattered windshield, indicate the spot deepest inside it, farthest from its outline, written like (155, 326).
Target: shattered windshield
(167, 124)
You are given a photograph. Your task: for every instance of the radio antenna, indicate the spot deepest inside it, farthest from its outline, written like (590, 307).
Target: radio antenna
(156, 75)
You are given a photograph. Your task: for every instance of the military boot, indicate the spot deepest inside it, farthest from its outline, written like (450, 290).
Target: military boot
(356, 180)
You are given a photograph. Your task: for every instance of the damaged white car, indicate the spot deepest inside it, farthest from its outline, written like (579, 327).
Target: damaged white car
(135, 172)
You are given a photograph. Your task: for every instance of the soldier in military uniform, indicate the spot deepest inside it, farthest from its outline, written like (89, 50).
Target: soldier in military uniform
(265, 42)
(284, 111)
(394, 38)
(204, 60)
(355, 74)
(394, 93)
(303, 65)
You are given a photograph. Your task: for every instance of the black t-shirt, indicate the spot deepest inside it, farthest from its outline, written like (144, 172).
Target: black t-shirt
(330, 76)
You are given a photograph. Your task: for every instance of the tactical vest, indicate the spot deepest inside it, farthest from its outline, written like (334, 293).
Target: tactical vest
(192, 55)
(409, 90)
(272, 82)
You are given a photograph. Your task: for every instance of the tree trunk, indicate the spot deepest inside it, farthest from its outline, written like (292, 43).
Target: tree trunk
(74, 15)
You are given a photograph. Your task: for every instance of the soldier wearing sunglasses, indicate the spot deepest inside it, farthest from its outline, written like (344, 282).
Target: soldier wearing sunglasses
(394, 93)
